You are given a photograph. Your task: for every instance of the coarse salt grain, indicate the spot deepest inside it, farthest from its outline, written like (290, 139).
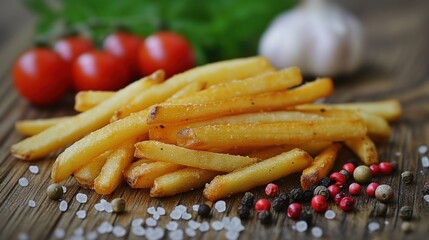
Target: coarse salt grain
(194, 224)
(99, 207)
(59, 233)
(23, 182)
(63, 206)
(151, 222)
(231, 235)
(175, 214)
(31, 203)
(154, 233)
(181, 208)
(91, 235)
(220, 206)
(33, 169)
(82, 198)
(226, 221)
(317, 232)
(108, 207)
(105, 227)
(160, 211)
(172, 225)
(204, 227)
(119, 231)
(23, 236)
(186, 216)
(156, 216)
(138, 231)
(423, 149)
(217, 225)
(301, 226)
(195, 207)
(64, 189)
(77, 237)
(151, 210)
(329, 214)
(426, 198)
(137, 222)
(176, 234)
(78, 231)
(373, 226)
(190, 232)
(81, 214)
(425, 161)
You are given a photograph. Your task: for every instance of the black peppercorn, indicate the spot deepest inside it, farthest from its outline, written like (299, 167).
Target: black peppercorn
(306, 216)
(307, 195)
(325, 181)
(380, 210)
(425, 190)
(296, 194)
(281, 202)
(406, 212)
(243, 212)
(248, 200)
(204, 210)
(265, 217)
(407, 177)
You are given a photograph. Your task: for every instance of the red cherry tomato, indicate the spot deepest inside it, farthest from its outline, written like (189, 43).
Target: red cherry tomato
(98, 70)
(124, 46)
(166, 50)
(41, 76)
(72, 47)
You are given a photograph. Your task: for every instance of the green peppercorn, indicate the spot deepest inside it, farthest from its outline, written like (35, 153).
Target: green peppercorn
(406, 212)
(362, 174)
(407, 177)
(321, 190)
(118, 205)
(380, 210)
(55, 191)
(407, 227)
(384, 193)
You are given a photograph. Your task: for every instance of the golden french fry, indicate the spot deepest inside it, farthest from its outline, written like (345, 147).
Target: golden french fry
(85, 100)
(199, 159)
(320, 167)
(87, 174)
(257, 174)
(111, 173)
(33, 127)
(165, 114)
(180, 181)
(268, 134)
(210, 74)
(76, 127)
(364, 148)
(312, 148)
(141, 174)
(187, 90)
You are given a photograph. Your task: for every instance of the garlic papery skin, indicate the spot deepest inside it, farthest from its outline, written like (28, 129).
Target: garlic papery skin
(317, 36)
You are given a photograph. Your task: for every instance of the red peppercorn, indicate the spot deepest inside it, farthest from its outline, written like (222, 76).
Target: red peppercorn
(338, 197)
(375, 170)
(370, 189)
(294, 210)
(386, 168)
(349, 167)
(347, 203)
(319, 203)
(262, 204)
(271, 190)
(355, 189)
(339, 179)
(333, 190)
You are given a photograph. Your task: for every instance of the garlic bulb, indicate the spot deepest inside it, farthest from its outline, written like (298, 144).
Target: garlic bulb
(317, 36)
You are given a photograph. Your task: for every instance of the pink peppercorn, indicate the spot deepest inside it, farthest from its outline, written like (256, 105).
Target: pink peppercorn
(262, 204)
(339, 179)
(370, 189)
(294, 210)
(333, 190)
(319, 203)
(347, 203)
(271, 190)
(386, 168)
(355, 189)
(349, 167)
(338, 197)
(375, 170)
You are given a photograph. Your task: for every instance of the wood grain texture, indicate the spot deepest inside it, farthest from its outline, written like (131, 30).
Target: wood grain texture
(396, 66)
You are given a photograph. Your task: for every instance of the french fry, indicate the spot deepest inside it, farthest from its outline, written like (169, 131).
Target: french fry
(85, 100)
(87, 174)
(111, 173)
(180, 181)
(364, 148)
(312, 148)
(199, 159)
(33, 127)
(268, 134)
(257, 174)
(141, 174)
(76, 127)
(209, 74)
(187, 90)
(320, 167)
(165, 114)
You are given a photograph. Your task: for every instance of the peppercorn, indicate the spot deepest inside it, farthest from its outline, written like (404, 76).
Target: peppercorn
(355, 189)
(338, 179)
(265, 217)
(407, 227)
(55, 191)
(325, 181)
(406, 212)
(204, 210)
(281, 202)
(248, 200)
(306, 196)
(321, 190)
(296, 194)
(394, 165)
(384, 193)
(370, 189)
(118, 205)
(425, 190)
(338, 197)
(262, 204)
(294, 210)
(386, 168)
(362, 174)
(306, 216)
(375, 170)
(353, 161)
(380, 210)
(243, 212)
(333, 190)
(349, 167)
(345, 173)
(347, 204)
(319, 203)
(271, 190)
(407, 177)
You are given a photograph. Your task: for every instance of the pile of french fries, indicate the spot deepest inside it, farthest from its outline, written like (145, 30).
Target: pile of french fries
(234, 124)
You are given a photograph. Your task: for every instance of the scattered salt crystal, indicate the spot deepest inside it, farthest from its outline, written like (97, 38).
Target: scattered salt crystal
(33, 169)
(217, 225)
(190, 232)
(423, 149)
(105, 227)
(160, 211)
(78, 231)
(330, 214)
(103, 201)
(226, 221)
(186, 216)
(230, 235)
(386, 222)
(151, 222)
(195, 207)
(156, 216)
(77, 237)
(398, 154)
(181, 208)
(99, 207)
(107, 207)
(204, 227)
(154, 233)
(82, 198)
(194, 224)
(63, 206)
(81, 214)
(32, 203)
(23, 182)
(119, 231)
(64, 189)
(137, 222)
(151, 210)
(59, 233)
(373, 226)
(301, 226)
(23, 236)
(138, 231)
(220, 206)
(425, 161)
(92, 235)
(175, 214)
(426, 198)
(317, 232)
(176, 234)
(172, 225)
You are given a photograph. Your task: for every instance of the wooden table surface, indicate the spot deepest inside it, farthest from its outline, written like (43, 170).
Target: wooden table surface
(396, 66)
